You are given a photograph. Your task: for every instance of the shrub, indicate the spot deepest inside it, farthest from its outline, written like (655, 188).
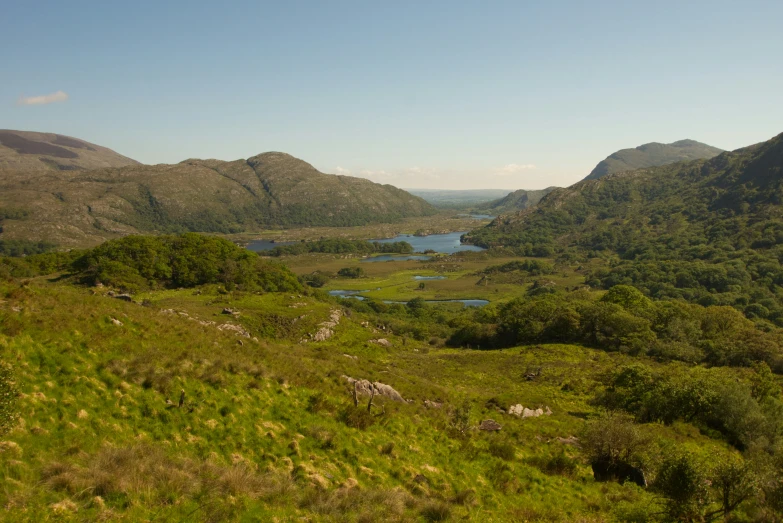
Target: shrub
(351, 272)
(503, 450)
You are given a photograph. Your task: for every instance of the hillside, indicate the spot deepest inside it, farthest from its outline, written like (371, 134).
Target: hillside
(221, 390)
(652, 155)
(73, 208)
(23, 150)
(709, 230)
(517, 200)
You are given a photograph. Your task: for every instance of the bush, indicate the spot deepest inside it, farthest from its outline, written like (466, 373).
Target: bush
(503, 450)
(351, 272)
(357, 417)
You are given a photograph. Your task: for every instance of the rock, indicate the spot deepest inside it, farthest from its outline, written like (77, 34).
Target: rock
(432, 404)
(323, 334)
(124, 297)
(232, 312)
(356, 358)
(82, 414)
(382, 342)
(522, 412)
(490, 425)
(237, 329)
(116, 322)
(365, 388)
(570, 440)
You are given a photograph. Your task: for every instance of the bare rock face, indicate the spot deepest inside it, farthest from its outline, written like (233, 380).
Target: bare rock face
(383, 342)
(432, 404)
(490, 425)
(365, 388)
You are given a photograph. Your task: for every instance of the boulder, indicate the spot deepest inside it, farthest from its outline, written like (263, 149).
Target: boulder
(124, 297)
(383, 342)
(490, 425)
(365, 388)
(432, 404)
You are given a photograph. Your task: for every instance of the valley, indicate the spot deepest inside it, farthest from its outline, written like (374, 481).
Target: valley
(547, 371)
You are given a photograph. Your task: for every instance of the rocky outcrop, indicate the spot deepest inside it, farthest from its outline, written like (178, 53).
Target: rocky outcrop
(522, 412)
(366, 388)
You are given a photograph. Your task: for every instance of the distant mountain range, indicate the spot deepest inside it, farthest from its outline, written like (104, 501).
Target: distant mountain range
(651, 155)
(23, 150)
(75, 207)
(521, 199)
(458, 198)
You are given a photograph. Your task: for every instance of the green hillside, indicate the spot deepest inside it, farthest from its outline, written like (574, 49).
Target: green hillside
(78, 208)
(706, 231)
(219, 391)
(651, 155)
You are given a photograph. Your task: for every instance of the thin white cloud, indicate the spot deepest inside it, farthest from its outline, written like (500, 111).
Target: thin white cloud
(514, 168)
(59, 96)
(342, 171)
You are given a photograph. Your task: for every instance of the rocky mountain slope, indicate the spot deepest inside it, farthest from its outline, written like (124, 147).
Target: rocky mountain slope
(25, 150)
(651, 155)
(273, 189)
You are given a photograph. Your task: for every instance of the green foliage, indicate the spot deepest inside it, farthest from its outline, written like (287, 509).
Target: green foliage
(683, 483)
(341, 246)
(709, 232)
(24, 247)
(142, 262)
(351, 272)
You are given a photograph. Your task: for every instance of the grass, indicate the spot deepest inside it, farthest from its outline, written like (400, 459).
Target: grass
(268, 429)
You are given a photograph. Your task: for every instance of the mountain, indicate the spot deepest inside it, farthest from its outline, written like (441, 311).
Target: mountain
(458, 198)
(744, 187)
(651, 155)
(521, 199)
(707, 231)
(269, 190)
(25, 150)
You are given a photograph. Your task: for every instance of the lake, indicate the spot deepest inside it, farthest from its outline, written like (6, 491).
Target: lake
(479, 216)
(265, 245)
(356, 295)
(443, 243)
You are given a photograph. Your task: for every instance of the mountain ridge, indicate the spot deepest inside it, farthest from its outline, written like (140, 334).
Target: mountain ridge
(31, 150)
(78, 207)
(651, 155)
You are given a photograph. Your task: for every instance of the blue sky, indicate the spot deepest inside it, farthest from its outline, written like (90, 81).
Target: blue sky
(449, 94)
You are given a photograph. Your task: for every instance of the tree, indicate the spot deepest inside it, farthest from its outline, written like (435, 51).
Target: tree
(683, 484)
(734, 482)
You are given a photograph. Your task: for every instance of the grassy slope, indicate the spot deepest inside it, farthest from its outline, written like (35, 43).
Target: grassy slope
(98, 441)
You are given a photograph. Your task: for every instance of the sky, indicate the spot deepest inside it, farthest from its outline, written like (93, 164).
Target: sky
(433, 94)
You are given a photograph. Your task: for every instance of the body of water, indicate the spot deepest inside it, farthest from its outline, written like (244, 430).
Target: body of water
(443, 243)
(425, 278)
(265, 245)
(357, 295)
(480, 216)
